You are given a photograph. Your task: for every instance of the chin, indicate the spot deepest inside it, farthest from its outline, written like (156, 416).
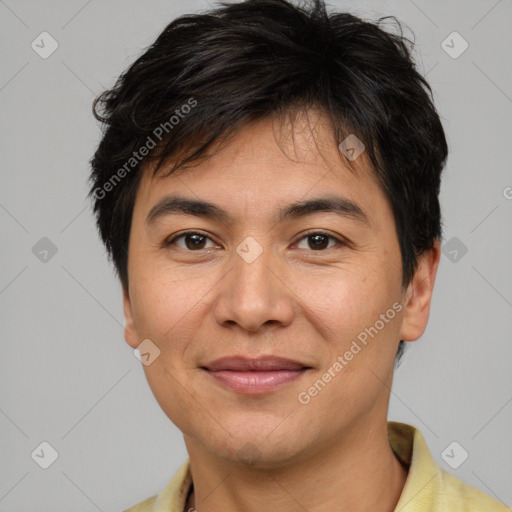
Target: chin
(257, 451)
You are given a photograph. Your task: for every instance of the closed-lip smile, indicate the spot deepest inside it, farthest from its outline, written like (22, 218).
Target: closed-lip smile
(255, 375)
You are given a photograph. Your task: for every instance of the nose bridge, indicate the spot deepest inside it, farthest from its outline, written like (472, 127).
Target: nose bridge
(252, 296)
(252, 266)
(252, 277)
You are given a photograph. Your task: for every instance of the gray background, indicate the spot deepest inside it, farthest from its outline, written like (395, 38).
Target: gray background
(67, 376)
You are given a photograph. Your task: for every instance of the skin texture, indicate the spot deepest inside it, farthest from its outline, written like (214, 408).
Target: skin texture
(272, 452)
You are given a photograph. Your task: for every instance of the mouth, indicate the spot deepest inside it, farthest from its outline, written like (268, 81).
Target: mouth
(255, 376)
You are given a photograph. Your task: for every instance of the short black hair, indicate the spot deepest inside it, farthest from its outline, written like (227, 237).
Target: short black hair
(208, 74)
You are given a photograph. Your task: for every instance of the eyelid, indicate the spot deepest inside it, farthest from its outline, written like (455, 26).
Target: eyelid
(341, 241)
(173, 238)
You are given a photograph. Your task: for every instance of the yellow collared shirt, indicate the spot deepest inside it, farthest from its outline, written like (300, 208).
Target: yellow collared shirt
(428, 488)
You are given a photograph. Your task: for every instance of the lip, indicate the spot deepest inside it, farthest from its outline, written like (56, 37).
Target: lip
(259, 364)
(255, 376)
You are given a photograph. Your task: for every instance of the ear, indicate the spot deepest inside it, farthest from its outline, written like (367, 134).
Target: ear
(419, 295)
(130, 333)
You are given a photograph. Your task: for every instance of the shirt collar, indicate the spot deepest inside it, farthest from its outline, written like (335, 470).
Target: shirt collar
(406, 442)
(421, 486)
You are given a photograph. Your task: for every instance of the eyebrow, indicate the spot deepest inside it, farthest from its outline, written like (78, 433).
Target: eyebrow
(340, 205)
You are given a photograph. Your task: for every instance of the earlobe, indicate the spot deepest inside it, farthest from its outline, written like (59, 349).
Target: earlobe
(130, 333)
(419, 295)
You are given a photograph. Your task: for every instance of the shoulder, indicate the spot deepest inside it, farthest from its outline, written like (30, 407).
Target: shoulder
(453, 494)
(429, 487)
(144, 506)
(173, 497)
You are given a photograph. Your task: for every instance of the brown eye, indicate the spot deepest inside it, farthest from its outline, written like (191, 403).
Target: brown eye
(193, 241)
(318, 241)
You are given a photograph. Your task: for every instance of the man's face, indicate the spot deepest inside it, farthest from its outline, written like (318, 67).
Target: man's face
(303, 287)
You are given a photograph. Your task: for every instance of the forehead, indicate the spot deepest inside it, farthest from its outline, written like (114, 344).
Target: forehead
(271, 160)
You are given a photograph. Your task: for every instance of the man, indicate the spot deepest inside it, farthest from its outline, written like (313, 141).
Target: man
(267, 188)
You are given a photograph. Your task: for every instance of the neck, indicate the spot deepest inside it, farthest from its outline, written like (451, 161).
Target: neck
(357, 474)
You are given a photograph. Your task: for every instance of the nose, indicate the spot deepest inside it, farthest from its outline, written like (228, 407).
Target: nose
(254, 295)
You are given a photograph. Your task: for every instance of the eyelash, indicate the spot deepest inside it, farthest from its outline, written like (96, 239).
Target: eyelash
(340, 242)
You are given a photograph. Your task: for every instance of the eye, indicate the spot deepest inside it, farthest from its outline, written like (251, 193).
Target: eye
(193, 240)
(318, 240)
(197, 241)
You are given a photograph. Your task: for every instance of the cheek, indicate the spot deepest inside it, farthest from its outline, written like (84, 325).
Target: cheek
(166, 306)
(341, 304)
(357, 317)
(358, 328)
(169, 312)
